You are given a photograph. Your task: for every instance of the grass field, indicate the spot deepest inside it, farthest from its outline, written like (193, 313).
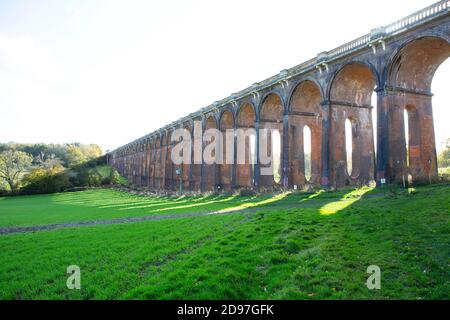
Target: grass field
(284, 246)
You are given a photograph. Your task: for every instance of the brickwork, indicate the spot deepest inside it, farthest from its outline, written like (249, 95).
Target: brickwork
(396, 63)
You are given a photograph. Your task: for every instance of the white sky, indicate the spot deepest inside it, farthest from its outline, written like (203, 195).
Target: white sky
(108, 72)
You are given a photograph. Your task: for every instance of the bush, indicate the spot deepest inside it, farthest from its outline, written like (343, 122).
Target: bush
(46, 180)
(106, 181)
(444, 174)
(117, 179)
(82, 177)
(247, 192)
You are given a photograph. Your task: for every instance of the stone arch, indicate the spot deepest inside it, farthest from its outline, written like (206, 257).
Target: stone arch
(197, 144)
(415, 63)
(144, 162)
(271, 119)
(410, 73)
(139, 163)
(186, 166)
(305, 93)
(272, 109)
(305, 110)
(353, 84)
(245, 123)
(157, 162)
(350, 98)
(246, 115)
(209, 170)
(171, 176)
(163, 160)
(226, 125)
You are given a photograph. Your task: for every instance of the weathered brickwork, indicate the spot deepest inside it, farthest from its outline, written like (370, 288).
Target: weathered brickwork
(396, 63)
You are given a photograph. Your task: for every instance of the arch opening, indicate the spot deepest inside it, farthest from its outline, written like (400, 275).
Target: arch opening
(209, 174)
(252, 157)
(245, 122)
(163, 182)
(157, 164)
(441, 114)
(349, 146)
(407, 137)
(352, 98)
(271, 115)
(276, 155)
(414, 66)
(411, 76)
(307, 141)
(305, 110)
(226, 158)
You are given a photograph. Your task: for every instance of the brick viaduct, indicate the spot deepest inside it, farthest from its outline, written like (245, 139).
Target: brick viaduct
(396, 62)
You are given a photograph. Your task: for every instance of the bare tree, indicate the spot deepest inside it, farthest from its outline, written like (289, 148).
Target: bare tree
(12, 165)
(47, 161)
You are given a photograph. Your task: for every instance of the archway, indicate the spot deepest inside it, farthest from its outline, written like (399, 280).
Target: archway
(349, 146)
(227, 150)
(271, 119)
(185, 168)
(196, 165)
(158, 179)
(441, 114)
(307, 144)
(245, 119)
(351, 98)
(209, 170)
(305, 111)
(163, 160)
(171, 177)
(409, 80)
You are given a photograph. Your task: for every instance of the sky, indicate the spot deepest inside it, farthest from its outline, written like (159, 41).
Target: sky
(108, 72)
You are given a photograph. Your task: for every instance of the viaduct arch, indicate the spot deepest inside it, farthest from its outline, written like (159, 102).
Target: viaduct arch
(396, 63)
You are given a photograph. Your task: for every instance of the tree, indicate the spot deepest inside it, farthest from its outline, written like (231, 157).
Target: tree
(75, 155)
(444, 155)
(12, 165)
(78, 154)
(47, 161)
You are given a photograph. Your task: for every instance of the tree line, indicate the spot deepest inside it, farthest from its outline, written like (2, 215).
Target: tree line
(48, 168)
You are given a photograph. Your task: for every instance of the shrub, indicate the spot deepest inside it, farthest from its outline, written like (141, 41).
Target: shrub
(247, 192)
(117, 179)
(46, 180)
(82, 177)
(94, 179)
(106, 181)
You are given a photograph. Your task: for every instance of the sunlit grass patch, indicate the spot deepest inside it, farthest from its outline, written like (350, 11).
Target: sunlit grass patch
(346, 201)
(248, 205)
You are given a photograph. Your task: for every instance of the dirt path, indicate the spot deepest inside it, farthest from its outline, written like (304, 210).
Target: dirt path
(47, 227)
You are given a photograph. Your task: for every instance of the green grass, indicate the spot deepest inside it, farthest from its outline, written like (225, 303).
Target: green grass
(104, 204)
(314, 246)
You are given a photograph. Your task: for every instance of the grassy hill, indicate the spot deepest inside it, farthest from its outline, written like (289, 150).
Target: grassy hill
(281, 246)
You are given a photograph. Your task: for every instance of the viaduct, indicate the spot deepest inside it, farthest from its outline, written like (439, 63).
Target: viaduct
(396, 62)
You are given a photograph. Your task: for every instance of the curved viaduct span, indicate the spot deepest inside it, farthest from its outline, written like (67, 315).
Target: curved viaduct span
(396, 62)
